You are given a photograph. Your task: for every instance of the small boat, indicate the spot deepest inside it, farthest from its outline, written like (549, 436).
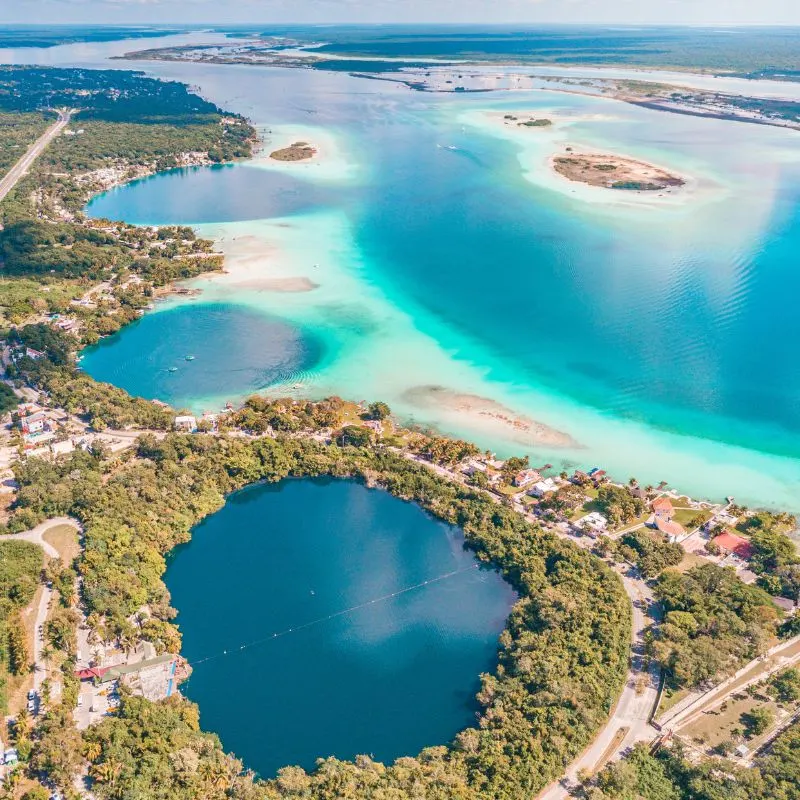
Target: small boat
(172, 369)
(190, 358)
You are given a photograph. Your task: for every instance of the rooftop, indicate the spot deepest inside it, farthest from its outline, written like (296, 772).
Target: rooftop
(732, 543)
(662, 505)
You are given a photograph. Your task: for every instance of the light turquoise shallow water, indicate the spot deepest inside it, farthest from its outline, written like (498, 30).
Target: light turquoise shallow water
(657, 335)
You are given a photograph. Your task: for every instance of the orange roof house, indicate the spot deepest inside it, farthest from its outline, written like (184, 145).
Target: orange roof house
(668, 526)
(731, 544)
(662, 507)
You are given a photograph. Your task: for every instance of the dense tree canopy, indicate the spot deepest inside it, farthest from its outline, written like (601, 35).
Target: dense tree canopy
(713, 623)
(561, 659)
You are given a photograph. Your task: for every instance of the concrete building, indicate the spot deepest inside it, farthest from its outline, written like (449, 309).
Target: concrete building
(543, 488)
(186, 423)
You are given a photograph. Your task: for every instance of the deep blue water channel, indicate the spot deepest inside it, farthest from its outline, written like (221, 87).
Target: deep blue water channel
(387, 678)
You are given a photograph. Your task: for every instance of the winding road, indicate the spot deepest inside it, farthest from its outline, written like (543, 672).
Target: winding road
(36, 536)
(10, 179)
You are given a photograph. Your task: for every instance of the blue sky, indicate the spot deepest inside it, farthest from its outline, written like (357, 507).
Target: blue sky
(499, 11)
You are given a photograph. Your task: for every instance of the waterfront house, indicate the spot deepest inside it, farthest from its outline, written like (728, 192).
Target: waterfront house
(662, 507)
(597, 475)
(543, 488)
(526, 478)
(731, 544)
(153, 679)
(186, 423)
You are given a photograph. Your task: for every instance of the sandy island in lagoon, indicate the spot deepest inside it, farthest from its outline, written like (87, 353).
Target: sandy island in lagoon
(580, 168)
(483, 410)
(614, 172)
(296, 151)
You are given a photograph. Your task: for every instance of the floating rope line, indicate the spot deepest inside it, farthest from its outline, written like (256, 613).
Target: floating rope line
(296, 628)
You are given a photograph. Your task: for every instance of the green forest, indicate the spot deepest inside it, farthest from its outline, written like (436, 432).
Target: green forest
(670, 775)
(17, 133)
(20, 567)
(127, 123)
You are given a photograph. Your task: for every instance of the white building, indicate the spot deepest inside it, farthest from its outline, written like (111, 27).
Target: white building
(186, 423)
(593, 524)
(544, 487)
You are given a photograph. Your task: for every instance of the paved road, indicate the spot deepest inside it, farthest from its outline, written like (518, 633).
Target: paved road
(10, 179)
(629, 722)
(36, 535)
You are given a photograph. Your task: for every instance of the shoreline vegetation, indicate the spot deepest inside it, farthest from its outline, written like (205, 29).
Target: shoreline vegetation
(563, 658)
(297, 151)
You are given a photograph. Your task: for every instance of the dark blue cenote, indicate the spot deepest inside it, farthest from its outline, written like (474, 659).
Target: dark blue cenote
(384, 623)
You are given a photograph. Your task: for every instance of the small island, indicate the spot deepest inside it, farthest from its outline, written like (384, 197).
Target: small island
(529, 123)
(615, 172)
(299, 151)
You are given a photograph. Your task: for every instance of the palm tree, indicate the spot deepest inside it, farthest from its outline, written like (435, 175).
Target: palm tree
(93, 751)
(106, 772)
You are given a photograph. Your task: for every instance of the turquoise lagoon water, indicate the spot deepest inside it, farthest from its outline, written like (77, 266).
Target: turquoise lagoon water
(387, 678)
(233, 351)
(658, 336)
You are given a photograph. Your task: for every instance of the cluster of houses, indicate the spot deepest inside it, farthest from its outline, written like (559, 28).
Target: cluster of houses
(46, 432)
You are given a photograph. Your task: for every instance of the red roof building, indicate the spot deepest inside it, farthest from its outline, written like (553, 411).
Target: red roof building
(662, 507)
(90, 673)
(668, 526)
(731, 544)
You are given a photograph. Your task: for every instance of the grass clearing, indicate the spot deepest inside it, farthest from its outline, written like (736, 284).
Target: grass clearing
(65, 539)
(683, 516)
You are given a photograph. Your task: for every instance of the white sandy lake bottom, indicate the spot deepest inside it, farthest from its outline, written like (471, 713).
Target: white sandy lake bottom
(377, 350)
